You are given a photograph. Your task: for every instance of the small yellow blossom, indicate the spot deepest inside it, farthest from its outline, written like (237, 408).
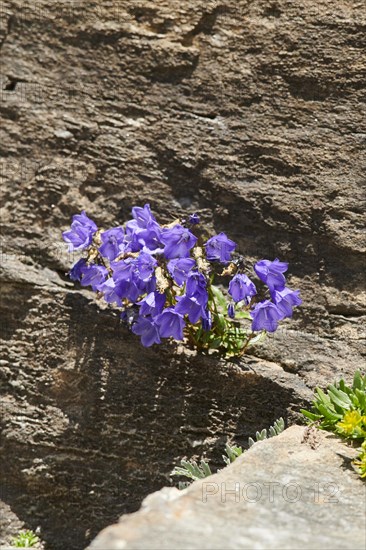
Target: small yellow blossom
(361, 461)
(352, 424)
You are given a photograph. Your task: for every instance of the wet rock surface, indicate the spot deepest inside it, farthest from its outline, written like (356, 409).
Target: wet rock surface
(253, 114)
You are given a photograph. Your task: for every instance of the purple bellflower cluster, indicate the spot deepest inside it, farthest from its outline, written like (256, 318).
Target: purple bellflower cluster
(161, 277)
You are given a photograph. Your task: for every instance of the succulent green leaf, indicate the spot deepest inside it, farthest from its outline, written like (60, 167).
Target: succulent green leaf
(219, 297)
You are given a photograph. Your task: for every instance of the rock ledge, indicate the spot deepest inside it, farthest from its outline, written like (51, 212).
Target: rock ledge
(295, 491)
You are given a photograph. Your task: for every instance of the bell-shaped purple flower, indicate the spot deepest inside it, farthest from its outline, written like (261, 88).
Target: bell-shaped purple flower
(143, 231)
(78, 237)
(271, 273)
(150, 286)
(149, 238)
(207, 320)
(145, 266)
(125, 273)
(180, 268)
(112, 243)
(143, 216)
(148, 330)
(285, 300)
(76, 271)
(231, 311)
(189, 306)
(220, 248)
(85, 221)
(196, 283)
(241, 288)
(112, 292)
(132, 237)
(129, 290)
(178, 242)
(265, 316)
(81, 233)
(124, 269)
(152, 304)
(196, 287)
(170, 324)
(94, 276)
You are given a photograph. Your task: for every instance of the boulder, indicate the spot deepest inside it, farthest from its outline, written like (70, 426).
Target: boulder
(295, 491)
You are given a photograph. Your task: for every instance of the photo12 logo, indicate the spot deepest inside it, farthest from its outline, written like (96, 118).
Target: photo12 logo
(271, 491)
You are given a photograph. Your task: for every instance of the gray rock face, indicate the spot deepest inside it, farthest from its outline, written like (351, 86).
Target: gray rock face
(251, 113)
(283, 493)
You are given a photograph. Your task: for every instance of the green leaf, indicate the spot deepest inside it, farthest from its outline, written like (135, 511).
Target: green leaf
(25, 539)
(199, 333)
(277, 428)
(242, 315)
(341, 403)
(218, 295)
(221, 323)
(261, 435)
(215, 343)
(206, 468)
(191, 470)
(232, 453)
(312, 416)
(327, 413)
(323, 398)
(279, 425)
(361, 397)
(359, 381)
(341, 395)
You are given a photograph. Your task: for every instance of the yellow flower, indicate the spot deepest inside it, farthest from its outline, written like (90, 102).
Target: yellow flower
(360, 461)
(351, 424)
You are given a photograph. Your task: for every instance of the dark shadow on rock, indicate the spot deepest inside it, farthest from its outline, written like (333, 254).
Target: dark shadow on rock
(347, 463)
(124, 416)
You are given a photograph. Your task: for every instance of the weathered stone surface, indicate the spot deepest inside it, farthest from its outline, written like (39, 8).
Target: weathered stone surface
(9, 524)
(91, 422)
(252, 113)
(283, 493)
